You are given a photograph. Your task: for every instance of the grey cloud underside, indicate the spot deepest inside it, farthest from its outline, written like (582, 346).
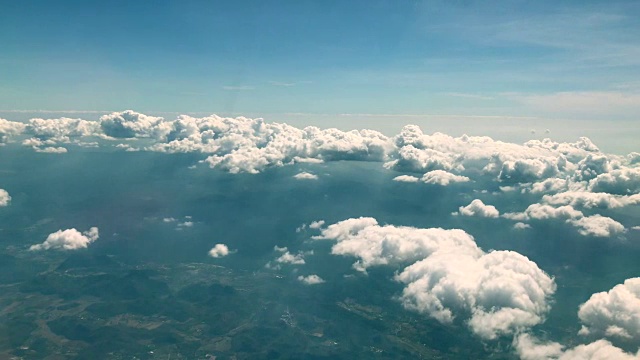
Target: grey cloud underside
(575, 174)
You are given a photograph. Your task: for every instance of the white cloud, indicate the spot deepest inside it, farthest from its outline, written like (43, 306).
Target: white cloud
(219, 250)
(550, 185)
(9, 129)
(615, 314)
(521, 226)
(618, 181)
(62, 129)
(280, 249)
(589, 200)
(381, 245)
(544, 212)
(51, 150)
(406, 178)
(130, 124)
(316, 224)
(5, 198)
(441, 177)
(502, 292)
(70, 239)
(478, 208)
(305, 176)
(289, 258)
(311, 279)
(529, 348)
(185, 224)
(597, 225)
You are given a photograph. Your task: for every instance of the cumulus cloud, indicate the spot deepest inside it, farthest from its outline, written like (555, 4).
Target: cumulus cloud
(316, 224)
(521, 226)
(311, 279)
(511, 163)
(289, 258)
(550, 185)
(589, 200)
(529, 348)
(62, 129)
(406, 178)
(615, 313)
(441, 177)
(618, 181)
(499, 293)
(5, 198)
(70, 239)
(597, 225)
(51, 150)
(130, 124)
(478, 208)
(305, 176)
(544, 212)
(9, 129)
(219, 250)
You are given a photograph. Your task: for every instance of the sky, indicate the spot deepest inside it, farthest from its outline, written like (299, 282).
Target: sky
(548, 60)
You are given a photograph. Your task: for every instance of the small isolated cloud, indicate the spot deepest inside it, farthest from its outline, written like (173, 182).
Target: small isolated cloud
(218, 251)
(185, 224)
(168, 219)
(311, 279)
(521, 226)
(443, 178)
(70, 239)
(529, 348)
(478, 208)
(406, 178)
(614, 314)
(305, 176)
(289, 258)
(5, 198)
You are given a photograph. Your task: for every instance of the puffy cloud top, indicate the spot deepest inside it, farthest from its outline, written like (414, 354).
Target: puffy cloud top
(615, 313)
(70, 239)
(305, 176)
(9, 129)
(5, 198)
(530, 348)
(441, 177)
(311, 279)
(478, 208)
(130, 124)
(219, 250)
(501, 292)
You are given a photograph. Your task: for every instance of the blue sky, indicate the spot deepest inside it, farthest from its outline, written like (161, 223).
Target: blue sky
(548, 59)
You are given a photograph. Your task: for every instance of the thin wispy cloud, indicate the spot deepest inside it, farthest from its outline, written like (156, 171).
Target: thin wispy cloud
(468, 96)
(238, 88)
